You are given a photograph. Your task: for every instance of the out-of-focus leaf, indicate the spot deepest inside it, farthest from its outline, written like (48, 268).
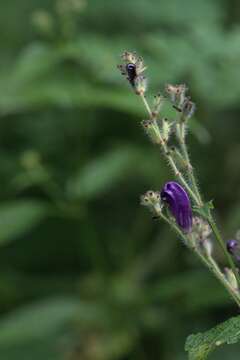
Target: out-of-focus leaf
(102, 173)
(16, 218)
(199, 346)
(188, 286)
(37, 320)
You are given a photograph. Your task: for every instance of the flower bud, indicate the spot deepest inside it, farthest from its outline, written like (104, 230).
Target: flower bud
(157, 104)
(152, 130)
(188, 108)
(176, 94)
(140, 84)
(207, 247)
(231, 278)
(151, 199)
(165, 129)
(201, 232)
(233, 247)
(179, 204)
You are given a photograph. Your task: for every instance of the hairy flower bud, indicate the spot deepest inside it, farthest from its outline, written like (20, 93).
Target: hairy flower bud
(207, 247)
(176, 94)
(140, 84)
(165, 129)
(179, 204)
(233, 247)
(231, 278)
(188, 108)
(152, 130)
(152, 200)
(157, 104)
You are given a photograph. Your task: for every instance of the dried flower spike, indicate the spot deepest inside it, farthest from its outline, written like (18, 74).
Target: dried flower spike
(179, 204)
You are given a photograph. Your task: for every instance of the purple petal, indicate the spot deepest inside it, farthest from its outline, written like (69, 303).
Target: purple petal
(232, 246)
(179, 204)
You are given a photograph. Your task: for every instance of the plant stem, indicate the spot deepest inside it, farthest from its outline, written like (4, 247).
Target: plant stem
(146, 105)
(194, 193)
(208, 262)
(168, 156)
(181, 138)
(222, 244)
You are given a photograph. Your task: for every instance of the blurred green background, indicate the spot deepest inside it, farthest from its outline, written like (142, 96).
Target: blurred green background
(85, 274)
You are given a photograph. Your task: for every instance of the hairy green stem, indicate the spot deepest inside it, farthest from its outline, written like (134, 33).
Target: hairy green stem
(181, 137)
(193, 192)
(222, 244)
(168, 156)
(207, 261)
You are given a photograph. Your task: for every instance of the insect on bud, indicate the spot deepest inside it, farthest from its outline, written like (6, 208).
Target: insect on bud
(151, 199)
(133, 69)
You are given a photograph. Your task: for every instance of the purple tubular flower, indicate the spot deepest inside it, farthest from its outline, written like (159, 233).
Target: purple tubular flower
(232, 246)
(179, 204)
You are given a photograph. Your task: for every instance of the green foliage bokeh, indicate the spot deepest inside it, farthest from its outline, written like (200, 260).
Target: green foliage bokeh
(84, 271)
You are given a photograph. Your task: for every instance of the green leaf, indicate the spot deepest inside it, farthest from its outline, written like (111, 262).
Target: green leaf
(199, 346)
(103, 172)
(16, 218)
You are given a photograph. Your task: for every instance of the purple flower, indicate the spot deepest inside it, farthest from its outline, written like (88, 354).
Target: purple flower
(233, 248)
(179, 204)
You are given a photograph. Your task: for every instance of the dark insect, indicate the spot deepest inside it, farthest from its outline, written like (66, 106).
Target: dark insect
(131, 72)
